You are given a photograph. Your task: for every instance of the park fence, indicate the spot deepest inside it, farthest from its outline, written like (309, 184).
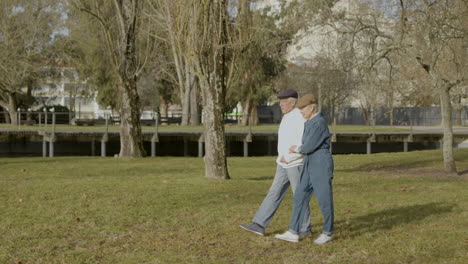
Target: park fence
(267, 115)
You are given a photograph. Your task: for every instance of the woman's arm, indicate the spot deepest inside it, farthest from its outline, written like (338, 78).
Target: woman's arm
(314, 135)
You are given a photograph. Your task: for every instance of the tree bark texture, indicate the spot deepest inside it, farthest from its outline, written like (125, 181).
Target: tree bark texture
(208, 48)
(122, 49)
(446, 111)
(186, 96)
(163, 109)
(9, 105)
(131, 138)
(215, 148)
(250, 113)
(12, 109)
(194, 104)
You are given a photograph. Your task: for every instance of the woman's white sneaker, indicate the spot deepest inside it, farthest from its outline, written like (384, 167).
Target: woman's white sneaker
(288, 236)
(322, 239)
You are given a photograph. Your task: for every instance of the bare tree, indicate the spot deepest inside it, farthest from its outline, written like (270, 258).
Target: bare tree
(208, 48)
(432, 33)
(124, 32)
(436, 36)
(172, 17)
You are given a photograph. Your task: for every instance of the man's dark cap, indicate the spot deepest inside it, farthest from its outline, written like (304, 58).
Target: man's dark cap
(287, 93)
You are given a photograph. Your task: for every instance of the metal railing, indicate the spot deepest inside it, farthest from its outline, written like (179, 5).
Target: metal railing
(428, 116)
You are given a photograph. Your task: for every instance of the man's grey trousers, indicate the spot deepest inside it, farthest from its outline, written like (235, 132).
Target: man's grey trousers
(283, 178)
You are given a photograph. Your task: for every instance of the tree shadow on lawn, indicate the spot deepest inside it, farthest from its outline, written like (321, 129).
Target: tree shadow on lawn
(388, 167)
(261, 178)
(403, 163)
(389, 218)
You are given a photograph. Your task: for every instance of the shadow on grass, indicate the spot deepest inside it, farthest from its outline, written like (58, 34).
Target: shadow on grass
(391, 167)
(425, 159)
(263, 178)
(390, 218)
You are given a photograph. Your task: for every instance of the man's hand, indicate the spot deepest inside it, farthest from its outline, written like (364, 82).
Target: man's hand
(292, 149)
(283, 160)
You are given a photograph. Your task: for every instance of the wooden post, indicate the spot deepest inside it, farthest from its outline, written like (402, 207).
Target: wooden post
(200, 146)
(52, 137)
(154, 139)
(103, 148)
(371, 139)
(269, 146)
(246, 148)
(200, 149)
(93, 151)
(247, 139)
(44, 146)
(185, 147)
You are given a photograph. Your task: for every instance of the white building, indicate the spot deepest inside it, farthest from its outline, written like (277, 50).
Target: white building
(65, 88)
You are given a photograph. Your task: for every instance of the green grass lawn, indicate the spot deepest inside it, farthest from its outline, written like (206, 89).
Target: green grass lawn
(390, 208)
(200, 128)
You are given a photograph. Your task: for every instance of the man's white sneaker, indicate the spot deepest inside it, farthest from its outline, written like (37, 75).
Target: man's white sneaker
(322, 239)
(288, 236)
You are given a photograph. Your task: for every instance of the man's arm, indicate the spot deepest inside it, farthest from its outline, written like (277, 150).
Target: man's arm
(314, 137)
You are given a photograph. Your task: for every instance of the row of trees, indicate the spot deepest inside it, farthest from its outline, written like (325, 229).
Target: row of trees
(225, 52)
(399, 51)
(129, 48)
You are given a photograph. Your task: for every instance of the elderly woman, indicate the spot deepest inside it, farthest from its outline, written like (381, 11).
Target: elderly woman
(316, 175)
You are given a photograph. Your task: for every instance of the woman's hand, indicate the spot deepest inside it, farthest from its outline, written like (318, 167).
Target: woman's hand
(293, 149)
(283, 160)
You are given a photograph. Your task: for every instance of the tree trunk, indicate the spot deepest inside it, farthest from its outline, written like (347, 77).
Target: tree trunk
(246, 112)
(391, 115)
(458, 110)
(6, 116)
(446, 111)
(9, 110)
(29, 99)
(186, 96)
(194, 105)
(12, 109)
(366, 114)
(213, 109)
(131, 138)
(209, 45)
(250, 113)
(253, 115)
(163, 109)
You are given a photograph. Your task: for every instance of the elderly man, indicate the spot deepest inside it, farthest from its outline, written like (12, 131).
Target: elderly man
(288, 167)
(317, 173)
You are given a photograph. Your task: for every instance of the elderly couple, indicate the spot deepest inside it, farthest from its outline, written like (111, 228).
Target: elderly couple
(304, 162)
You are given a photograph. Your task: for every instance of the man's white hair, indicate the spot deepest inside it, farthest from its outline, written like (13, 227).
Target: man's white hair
(292, 99)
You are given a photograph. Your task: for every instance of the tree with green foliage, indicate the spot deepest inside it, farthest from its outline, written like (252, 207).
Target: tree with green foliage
(262, 45)
(27, 34)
